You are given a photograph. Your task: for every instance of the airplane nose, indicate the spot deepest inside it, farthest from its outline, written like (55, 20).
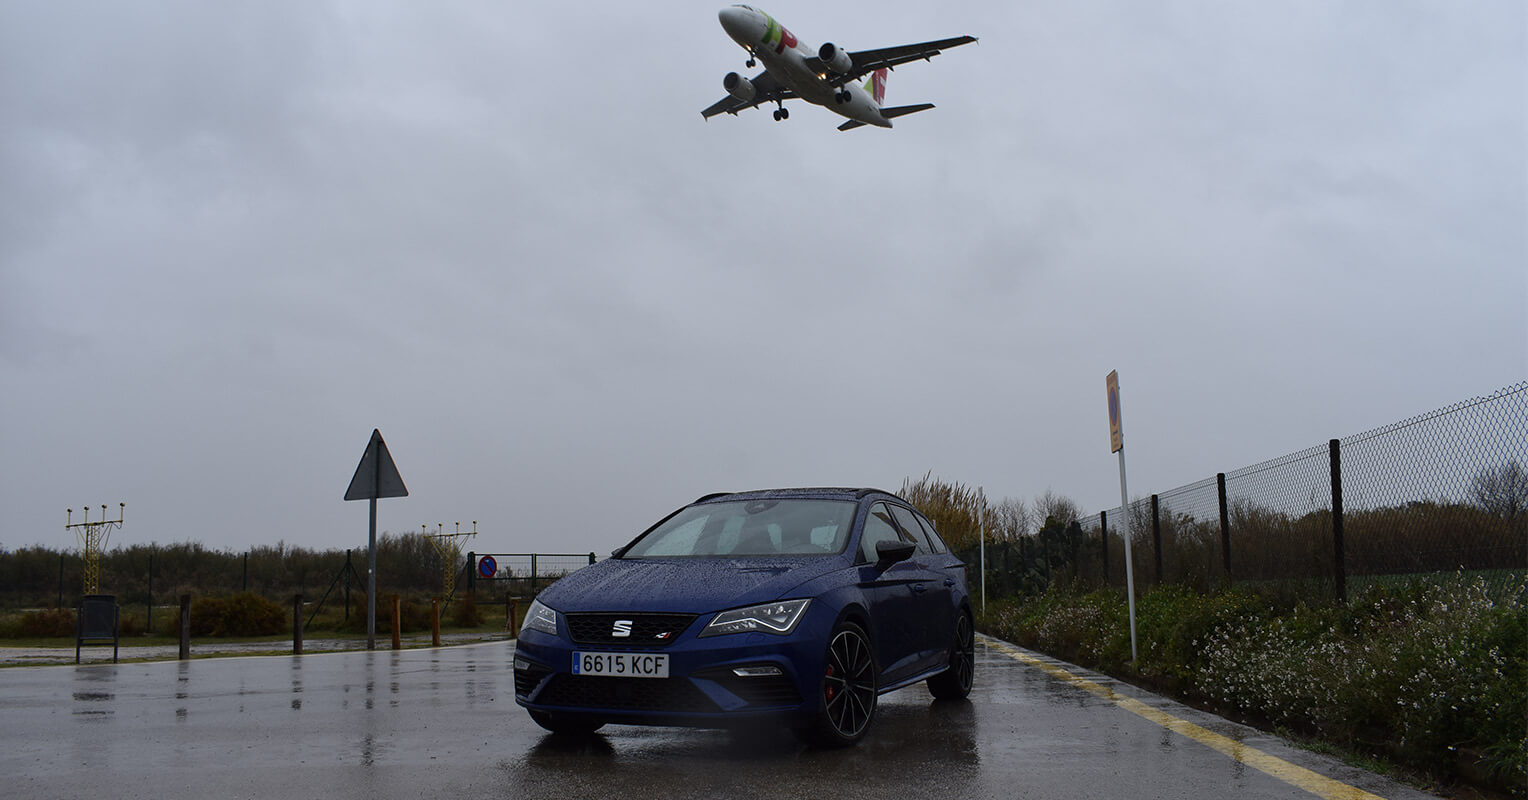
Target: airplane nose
(737, 22)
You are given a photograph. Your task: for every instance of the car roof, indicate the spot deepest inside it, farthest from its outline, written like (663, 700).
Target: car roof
(813, 493)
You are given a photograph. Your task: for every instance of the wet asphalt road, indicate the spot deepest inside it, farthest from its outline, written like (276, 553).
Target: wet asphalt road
(443, 722)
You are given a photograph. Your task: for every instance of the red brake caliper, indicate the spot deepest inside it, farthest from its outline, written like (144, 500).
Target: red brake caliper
(829, 690)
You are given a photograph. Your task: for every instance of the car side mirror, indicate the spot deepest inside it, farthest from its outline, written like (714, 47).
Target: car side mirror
(888, 553)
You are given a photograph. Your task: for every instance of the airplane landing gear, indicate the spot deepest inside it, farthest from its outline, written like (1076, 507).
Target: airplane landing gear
(782, 113)
(750, 63)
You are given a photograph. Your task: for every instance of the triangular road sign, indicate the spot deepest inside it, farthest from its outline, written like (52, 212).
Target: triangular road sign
(376, 476)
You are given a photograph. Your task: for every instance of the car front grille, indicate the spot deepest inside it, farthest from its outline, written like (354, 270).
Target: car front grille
(646, 630)
(625, 694)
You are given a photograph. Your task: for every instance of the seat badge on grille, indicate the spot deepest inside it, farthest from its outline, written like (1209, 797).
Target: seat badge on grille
(622, 629)
(663, 635)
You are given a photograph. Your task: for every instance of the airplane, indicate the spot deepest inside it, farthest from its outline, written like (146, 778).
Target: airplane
(828, 77)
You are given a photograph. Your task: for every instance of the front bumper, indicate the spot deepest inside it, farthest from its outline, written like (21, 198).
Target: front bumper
(702, 689)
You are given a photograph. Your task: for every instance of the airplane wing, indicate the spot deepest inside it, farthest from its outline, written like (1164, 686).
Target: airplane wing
(868, 61)
(766, 90)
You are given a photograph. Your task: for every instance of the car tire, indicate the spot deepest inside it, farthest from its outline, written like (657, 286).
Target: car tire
(848, 690)
(955, 682)
(566, 725)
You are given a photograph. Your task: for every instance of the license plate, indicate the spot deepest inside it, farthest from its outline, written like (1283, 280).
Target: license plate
(622, 665)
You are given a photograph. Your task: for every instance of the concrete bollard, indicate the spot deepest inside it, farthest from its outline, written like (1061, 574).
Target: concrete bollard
(185, 627)
(435, 622)
(397, 622)
(297, 625)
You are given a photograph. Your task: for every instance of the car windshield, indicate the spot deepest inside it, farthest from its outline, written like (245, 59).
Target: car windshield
(750, 528)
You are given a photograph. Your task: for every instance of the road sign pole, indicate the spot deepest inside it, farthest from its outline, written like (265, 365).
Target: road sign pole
(376, 476)
(981, 529)
(1117, 444)
(1124, 504)
(371, 580)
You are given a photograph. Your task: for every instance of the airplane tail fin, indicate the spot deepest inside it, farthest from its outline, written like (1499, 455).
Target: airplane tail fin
(876, 85)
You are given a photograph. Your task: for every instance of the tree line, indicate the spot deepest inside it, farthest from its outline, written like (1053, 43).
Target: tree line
(38, 576)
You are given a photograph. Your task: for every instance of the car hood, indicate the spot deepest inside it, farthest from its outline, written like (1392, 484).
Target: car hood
(692, 586)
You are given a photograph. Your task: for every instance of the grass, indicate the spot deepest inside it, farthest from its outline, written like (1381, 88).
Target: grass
(1431, 676)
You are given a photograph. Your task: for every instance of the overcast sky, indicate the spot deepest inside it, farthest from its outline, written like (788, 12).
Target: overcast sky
(235, 238)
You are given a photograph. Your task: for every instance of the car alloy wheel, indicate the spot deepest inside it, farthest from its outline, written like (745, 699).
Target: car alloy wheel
(848, 688)
(955, 682)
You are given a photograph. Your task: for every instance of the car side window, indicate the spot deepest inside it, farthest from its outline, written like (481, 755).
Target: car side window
(879, 527)
(911, 529)
(933, 535)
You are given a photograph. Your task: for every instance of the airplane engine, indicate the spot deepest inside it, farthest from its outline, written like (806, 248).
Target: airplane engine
(738, 86)
(836, 58)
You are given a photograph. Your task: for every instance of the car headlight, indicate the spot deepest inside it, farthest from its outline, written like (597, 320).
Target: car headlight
(778, 618)
(540, 618)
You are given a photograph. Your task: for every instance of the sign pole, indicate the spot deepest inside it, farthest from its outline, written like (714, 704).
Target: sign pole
(376, 476)
(981, 527)
(1124, 503)
(1117, 444)
(371, 580)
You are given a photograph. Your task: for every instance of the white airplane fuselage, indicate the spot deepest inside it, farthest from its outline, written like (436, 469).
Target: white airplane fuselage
(786, 58)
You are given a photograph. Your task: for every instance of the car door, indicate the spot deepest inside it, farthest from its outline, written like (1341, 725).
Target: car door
(894, 604)
(934, 624)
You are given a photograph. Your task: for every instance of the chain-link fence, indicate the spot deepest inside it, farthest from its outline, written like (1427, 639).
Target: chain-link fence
(521, 574)
(1442, 492)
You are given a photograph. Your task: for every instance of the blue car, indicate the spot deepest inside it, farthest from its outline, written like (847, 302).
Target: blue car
(799, 606)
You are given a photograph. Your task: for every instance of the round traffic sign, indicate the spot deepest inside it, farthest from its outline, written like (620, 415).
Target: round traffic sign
(487, 567)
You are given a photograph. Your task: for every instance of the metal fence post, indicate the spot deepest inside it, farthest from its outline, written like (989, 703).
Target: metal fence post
(1156, 535)
(471, 570)
(397, 622)
(1103, 538)
(1337, 538)
(591, 559)
(1225, 526)
(297, 625)
(148, 623)
(533, 574)
(245, 586)
(185, 627)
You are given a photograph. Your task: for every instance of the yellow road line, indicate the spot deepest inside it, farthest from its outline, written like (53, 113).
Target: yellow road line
(1296, 776)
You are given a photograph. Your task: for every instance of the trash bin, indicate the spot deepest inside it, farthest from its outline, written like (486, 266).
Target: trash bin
(96, 622)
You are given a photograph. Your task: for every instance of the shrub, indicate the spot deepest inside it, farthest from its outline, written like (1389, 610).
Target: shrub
(1419, 671)
(1085, 628)
(246, 614)
(415, 615)
(47, 622)
(464, 612)
(954, 509)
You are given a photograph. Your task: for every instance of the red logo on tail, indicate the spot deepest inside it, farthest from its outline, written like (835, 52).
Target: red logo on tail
(878, 82)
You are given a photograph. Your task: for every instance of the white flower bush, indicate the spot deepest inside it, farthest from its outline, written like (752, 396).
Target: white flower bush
(1428, 672)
